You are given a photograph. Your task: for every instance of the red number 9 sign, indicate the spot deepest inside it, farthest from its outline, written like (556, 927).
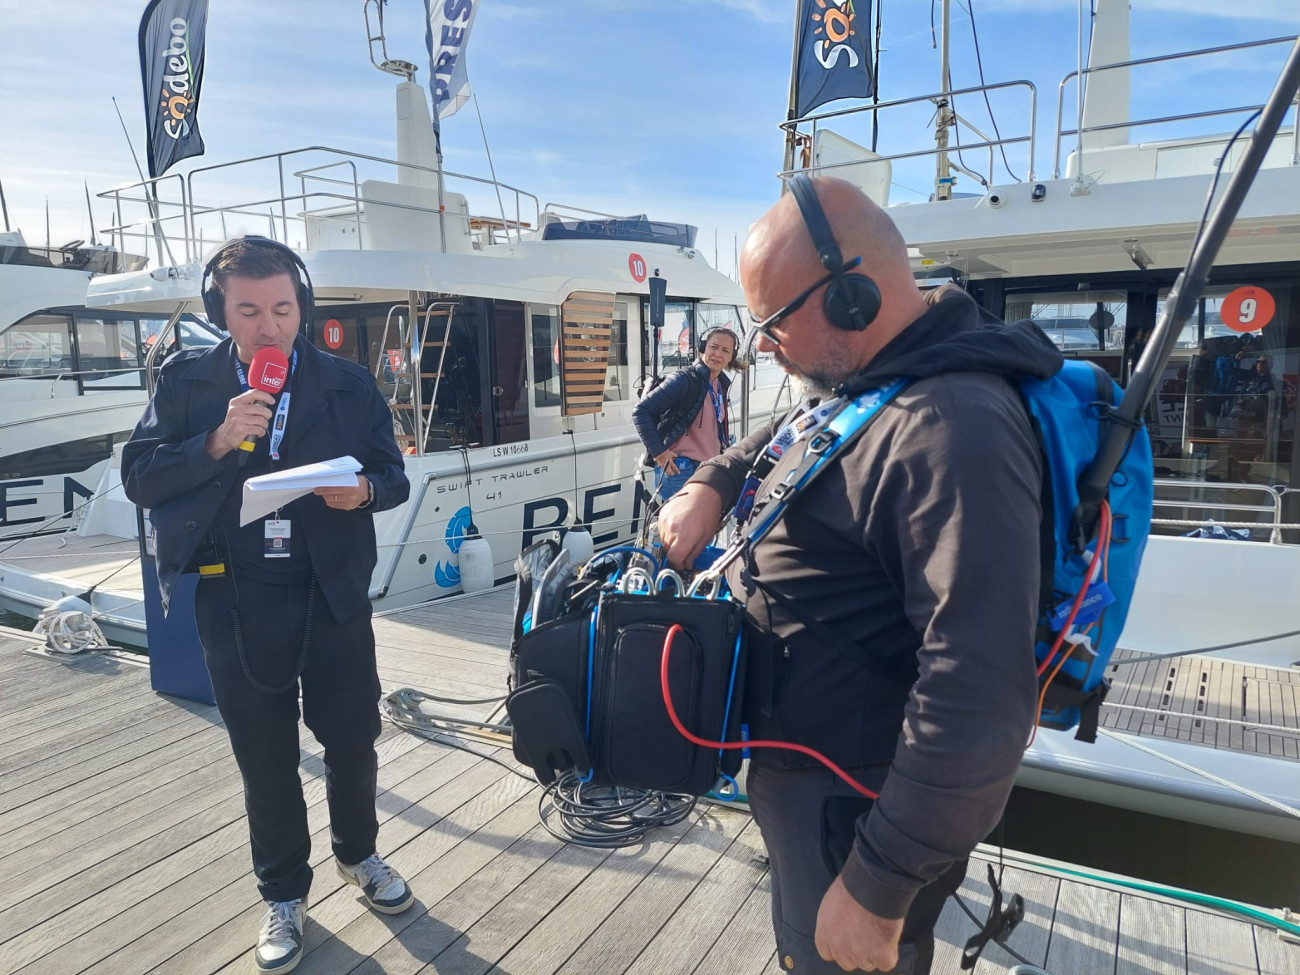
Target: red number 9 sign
(1247, 309)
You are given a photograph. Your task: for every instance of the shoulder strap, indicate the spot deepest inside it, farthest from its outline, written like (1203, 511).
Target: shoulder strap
(844, 428)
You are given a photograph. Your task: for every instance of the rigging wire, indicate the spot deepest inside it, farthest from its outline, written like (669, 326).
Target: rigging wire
(979, 64)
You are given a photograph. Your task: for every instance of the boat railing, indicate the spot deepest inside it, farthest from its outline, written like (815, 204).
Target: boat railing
(1079, 131)
(953, 149)
(1224, 504)
(309, 190)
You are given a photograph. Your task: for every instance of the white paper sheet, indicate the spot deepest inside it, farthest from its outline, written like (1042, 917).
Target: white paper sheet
(271, 492)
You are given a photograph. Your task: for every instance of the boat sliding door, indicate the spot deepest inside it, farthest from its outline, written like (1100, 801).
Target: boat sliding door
(509, 379)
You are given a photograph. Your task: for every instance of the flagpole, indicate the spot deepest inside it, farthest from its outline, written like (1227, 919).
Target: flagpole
(437, 147)
(160, 239)
(792, 112)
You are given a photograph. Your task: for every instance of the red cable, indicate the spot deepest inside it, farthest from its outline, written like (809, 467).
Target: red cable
(705, 743)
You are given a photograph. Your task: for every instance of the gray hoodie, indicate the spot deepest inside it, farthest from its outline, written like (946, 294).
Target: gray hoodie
(918, 550)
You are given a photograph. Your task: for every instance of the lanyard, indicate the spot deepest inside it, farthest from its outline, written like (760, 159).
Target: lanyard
(281, 421)
(720, 413)
(829, 428)
(791, 431)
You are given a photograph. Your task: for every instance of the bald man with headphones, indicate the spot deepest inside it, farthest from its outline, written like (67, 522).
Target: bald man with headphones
(897, 592)
(283, 603)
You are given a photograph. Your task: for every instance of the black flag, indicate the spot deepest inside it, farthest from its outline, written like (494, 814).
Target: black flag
(833, 53)
(171, 66)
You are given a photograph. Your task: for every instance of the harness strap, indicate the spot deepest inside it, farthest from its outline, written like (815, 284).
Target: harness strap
(998, 926)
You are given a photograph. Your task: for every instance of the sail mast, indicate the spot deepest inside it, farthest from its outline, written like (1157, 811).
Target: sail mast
(943, 118)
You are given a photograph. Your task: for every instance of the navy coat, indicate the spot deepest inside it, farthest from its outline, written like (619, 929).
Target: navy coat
(672, 395)
(335, 410)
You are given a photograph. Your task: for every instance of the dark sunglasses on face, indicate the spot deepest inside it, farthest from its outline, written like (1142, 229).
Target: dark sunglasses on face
(765, 326)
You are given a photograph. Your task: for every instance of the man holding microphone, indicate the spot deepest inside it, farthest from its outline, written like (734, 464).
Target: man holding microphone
(283, 601)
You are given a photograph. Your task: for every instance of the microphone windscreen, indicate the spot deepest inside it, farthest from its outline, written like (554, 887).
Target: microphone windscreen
(269, 370)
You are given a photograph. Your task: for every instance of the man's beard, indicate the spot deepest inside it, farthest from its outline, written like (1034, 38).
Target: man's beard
(814, 384)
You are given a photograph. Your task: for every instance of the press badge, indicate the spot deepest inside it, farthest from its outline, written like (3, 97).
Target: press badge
(277, 538)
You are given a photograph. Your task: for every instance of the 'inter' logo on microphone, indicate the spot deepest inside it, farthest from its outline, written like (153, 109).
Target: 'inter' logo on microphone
(269, 370)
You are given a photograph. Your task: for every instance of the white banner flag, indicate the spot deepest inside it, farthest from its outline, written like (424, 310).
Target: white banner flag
(448, 33)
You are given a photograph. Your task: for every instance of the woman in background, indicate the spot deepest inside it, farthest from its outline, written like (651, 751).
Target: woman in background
(686, 420)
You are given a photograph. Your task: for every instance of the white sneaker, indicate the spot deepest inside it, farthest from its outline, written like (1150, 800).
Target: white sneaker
(382, 886)
(279, 943)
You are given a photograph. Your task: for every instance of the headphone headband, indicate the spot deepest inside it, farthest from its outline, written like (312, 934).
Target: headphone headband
(814, 218)
(852, 300)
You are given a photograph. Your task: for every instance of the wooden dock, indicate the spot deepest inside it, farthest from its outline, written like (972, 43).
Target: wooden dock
(124, 850)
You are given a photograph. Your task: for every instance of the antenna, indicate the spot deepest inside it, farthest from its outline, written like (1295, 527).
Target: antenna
(90, 214)
(403, 69)
(47, 223)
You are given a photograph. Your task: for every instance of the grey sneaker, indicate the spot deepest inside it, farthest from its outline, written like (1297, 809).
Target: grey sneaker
(383, 887)
(279, 943)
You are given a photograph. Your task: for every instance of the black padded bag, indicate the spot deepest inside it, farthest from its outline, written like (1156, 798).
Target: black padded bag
(632, 741)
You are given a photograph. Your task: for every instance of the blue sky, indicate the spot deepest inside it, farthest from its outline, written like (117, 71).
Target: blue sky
(662, 106)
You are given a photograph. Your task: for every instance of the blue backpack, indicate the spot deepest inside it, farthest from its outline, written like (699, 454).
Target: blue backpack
(1080, 622)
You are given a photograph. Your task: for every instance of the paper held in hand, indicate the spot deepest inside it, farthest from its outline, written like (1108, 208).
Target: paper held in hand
(271, 492)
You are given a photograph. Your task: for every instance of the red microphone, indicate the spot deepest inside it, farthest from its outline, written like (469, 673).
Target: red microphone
(268, 371)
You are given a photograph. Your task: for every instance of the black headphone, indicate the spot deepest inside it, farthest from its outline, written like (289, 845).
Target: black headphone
(214, 302)
(714, 330)
(852, 300)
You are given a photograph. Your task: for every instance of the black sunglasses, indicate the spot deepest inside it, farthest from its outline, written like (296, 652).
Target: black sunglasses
(764, 327)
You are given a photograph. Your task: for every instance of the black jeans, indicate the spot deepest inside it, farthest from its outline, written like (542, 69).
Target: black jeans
(807, 819)
(340, 693)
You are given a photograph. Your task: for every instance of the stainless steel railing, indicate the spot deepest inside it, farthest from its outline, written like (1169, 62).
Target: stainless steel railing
(1159, 59)
(1271, 504)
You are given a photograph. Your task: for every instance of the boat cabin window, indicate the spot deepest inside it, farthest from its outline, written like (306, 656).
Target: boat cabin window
(109, 354)
(1082, 324)
(545, 320)
(1225, 407)
(38, 345)
(676, 348)
(618, 374)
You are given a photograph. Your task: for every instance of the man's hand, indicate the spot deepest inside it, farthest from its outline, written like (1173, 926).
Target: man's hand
(688, 522)
(346, 498)
(247, 415)
(854, 938)
(666, 461)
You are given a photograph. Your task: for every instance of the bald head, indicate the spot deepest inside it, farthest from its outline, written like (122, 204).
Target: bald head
(780, 259)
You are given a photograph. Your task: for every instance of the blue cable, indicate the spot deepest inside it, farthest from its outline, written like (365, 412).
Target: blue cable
(726, 711)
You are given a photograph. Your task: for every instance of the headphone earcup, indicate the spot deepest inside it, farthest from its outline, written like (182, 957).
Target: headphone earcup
(214, 307)
(852, 302)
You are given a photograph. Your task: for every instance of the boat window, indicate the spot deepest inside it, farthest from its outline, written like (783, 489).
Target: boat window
(193, 332)
(1082, 324)
(108, 352)
(676, 341)
(337, 334)
(618, 376)
(1224, 409)
(38, 345)
(545, 321)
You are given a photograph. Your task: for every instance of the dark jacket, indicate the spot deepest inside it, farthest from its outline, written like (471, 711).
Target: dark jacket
(672, 400)
(918, 549)
(335, 410)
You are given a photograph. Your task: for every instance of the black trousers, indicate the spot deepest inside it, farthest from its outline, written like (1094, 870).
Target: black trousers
(807, 819)
(340, 693)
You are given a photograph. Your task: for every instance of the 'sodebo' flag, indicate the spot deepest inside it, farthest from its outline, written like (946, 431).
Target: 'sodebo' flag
(171, 66)
(833, 53)
(449, 23)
